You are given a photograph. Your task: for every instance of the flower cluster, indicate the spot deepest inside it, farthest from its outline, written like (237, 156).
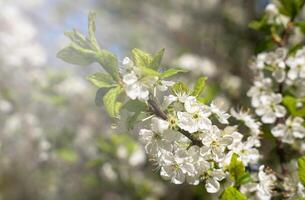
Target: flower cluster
(263, 186)
(274, 15)
(179, 158)
(188, 140)
(277, 72)
(192, 140)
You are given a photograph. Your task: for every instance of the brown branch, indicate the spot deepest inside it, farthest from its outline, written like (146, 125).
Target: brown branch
(159, 113)
(281, 154)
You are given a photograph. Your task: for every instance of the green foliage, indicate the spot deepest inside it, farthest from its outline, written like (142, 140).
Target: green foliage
(180, 88)
(237, 171)
(292, 105)
(209, 93)
(141, 58)
(232, 193)
(156, 61)
(301, 169)
(259, 24)
(168, 73)
(295, 48)
(77, 55)
(291, 8)
(199, 86)
(84, 51)
(135, 106)
(91, 30)
(111, 104)
(171, 72)
(301, 25)
(78, 38)
(265, 45)
(149, 72)
(101, 80)
(109, 62)
(146, 60)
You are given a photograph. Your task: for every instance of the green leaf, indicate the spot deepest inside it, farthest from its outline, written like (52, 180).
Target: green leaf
(171, 72)
(292, 105)
(91, 30)
(180, 88)
(199, 86)
(301, 169)
(291, 8)
(78, 38)
(134, 118)
(101, 80)
(82, 51)
(246, 178)
(110, 101)
(301, 26)
(141, 58)
(265, 45)
(156, 61)
(109, 62)
(209, 93)
(232, 193)
(149, 72)
(295, 48)
(259, 24)
(74, 54)
(237, 170)
(135, 106)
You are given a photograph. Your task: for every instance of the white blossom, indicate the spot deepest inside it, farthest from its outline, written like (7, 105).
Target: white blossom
(135, 83)
(158, 137)
(195, 118)
(291, 130)
(261, 87)
(274, 15)
(270, 108)
(213, 177)
(249, 121)
(216, 142)
(267, 181)
(246, 151)
(221, 115)
(296, 66)
(176, 166)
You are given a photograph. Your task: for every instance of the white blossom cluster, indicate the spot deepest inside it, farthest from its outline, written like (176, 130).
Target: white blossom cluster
(137, 85)
(274, 15)
(263, 185)
(167, 141)
(179, 160)
(276, 72)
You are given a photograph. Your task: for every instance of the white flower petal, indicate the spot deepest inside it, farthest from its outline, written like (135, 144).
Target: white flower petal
(212, 186)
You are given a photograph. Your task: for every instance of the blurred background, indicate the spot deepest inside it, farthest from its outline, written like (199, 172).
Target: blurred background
(55, 143)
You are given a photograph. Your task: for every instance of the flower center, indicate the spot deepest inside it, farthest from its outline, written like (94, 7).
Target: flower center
(215, 143)
(195, 115)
